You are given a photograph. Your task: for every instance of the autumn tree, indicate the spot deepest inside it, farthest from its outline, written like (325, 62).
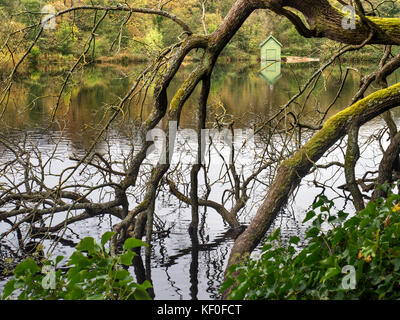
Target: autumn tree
(311, 18)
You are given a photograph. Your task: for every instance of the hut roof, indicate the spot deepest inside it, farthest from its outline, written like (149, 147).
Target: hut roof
(270, 38)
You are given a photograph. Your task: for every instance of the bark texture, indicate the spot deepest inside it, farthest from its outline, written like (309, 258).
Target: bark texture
(325, 20)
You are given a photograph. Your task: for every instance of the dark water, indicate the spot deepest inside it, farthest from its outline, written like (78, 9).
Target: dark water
(239, 92)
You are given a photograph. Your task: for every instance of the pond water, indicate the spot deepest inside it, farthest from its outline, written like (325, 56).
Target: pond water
(240, 93)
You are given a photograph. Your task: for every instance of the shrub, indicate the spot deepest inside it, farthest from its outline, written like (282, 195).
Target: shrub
(33, 57)
(93, 274)
(367, 245)
(66, 38)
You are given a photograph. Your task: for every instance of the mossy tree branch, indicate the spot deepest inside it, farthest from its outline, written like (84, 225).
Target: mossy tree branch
(291, 171)
(325, 20)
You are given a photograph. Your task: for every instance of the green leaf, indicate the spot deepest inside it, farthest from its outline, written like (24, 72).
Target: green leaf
(141, 291)
(330, 261)
(94, 275)
(313, 232)
(227, 284)
(107, 237)
(78, 259)
(294, 240)
(330, 273)
(9, 288)
(322, 200)
(146, 285)
(133, 243)
(342, 216)
(140, 294)
(86, 244)
(28, 266)
(75, 293)
(309, 216)
(122, 274)
(59, 259)
(127, 258)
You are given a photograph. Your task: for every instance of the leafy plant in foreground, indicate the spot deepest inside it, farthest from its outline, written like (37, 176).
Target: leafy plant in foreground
(367, 244)
(93, 274)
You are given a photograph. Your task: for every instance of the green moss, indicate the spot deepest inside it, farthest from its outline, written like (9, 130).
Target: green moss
(143, 205)
(336, 124)
(176, 100)
(184, 91)
(387, 24)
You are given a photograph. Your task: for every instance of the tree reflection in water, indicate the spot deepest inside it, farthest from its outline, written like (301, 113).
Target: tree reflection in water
(180, 266)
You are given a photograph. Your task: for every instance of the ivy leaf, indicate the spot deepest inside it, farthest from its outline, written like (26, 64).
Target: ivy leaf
(309, 216)
(330, 273)
(59, 259)
(342, 216)
(28, 266)
(133, 243)
(321, 201)
(294, 240)
(226, 284)
(146, 285)
(78, 259)
(127, 258)
(330, 261)
(140, 294)
(9, 288)
(313, 232)
(86, 244)
(122, 274)
(75, 293)
(107, 237)
(141, 291)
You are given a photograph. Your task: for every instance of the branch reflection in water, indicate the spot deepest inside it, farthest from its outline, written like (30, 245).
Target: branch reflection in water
(181, 266)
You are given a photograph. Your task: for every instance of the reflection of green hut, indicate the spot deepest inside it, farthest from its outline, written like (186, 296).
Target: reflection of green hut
(271, 49)
(271, 71)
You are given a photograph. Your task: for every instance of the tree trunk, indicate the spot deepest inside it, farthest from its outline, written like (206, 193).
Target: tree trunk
(291, 171)
(386, 166)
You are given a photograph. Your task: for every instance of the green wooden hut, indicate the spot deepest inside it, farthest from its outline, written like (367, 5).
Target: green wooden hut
(271, 49)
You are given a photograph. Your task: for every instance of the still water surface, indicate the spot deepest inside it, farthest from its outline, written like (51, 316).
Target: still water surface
(239, 93)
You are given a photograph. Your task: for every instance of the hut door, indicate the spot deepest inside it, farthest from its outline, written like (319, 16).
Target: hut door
(271, 54)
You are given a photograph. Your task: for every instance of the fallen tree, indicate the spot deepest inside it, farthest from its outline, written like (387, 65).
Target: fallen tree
(312, 18)
(292, 170)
